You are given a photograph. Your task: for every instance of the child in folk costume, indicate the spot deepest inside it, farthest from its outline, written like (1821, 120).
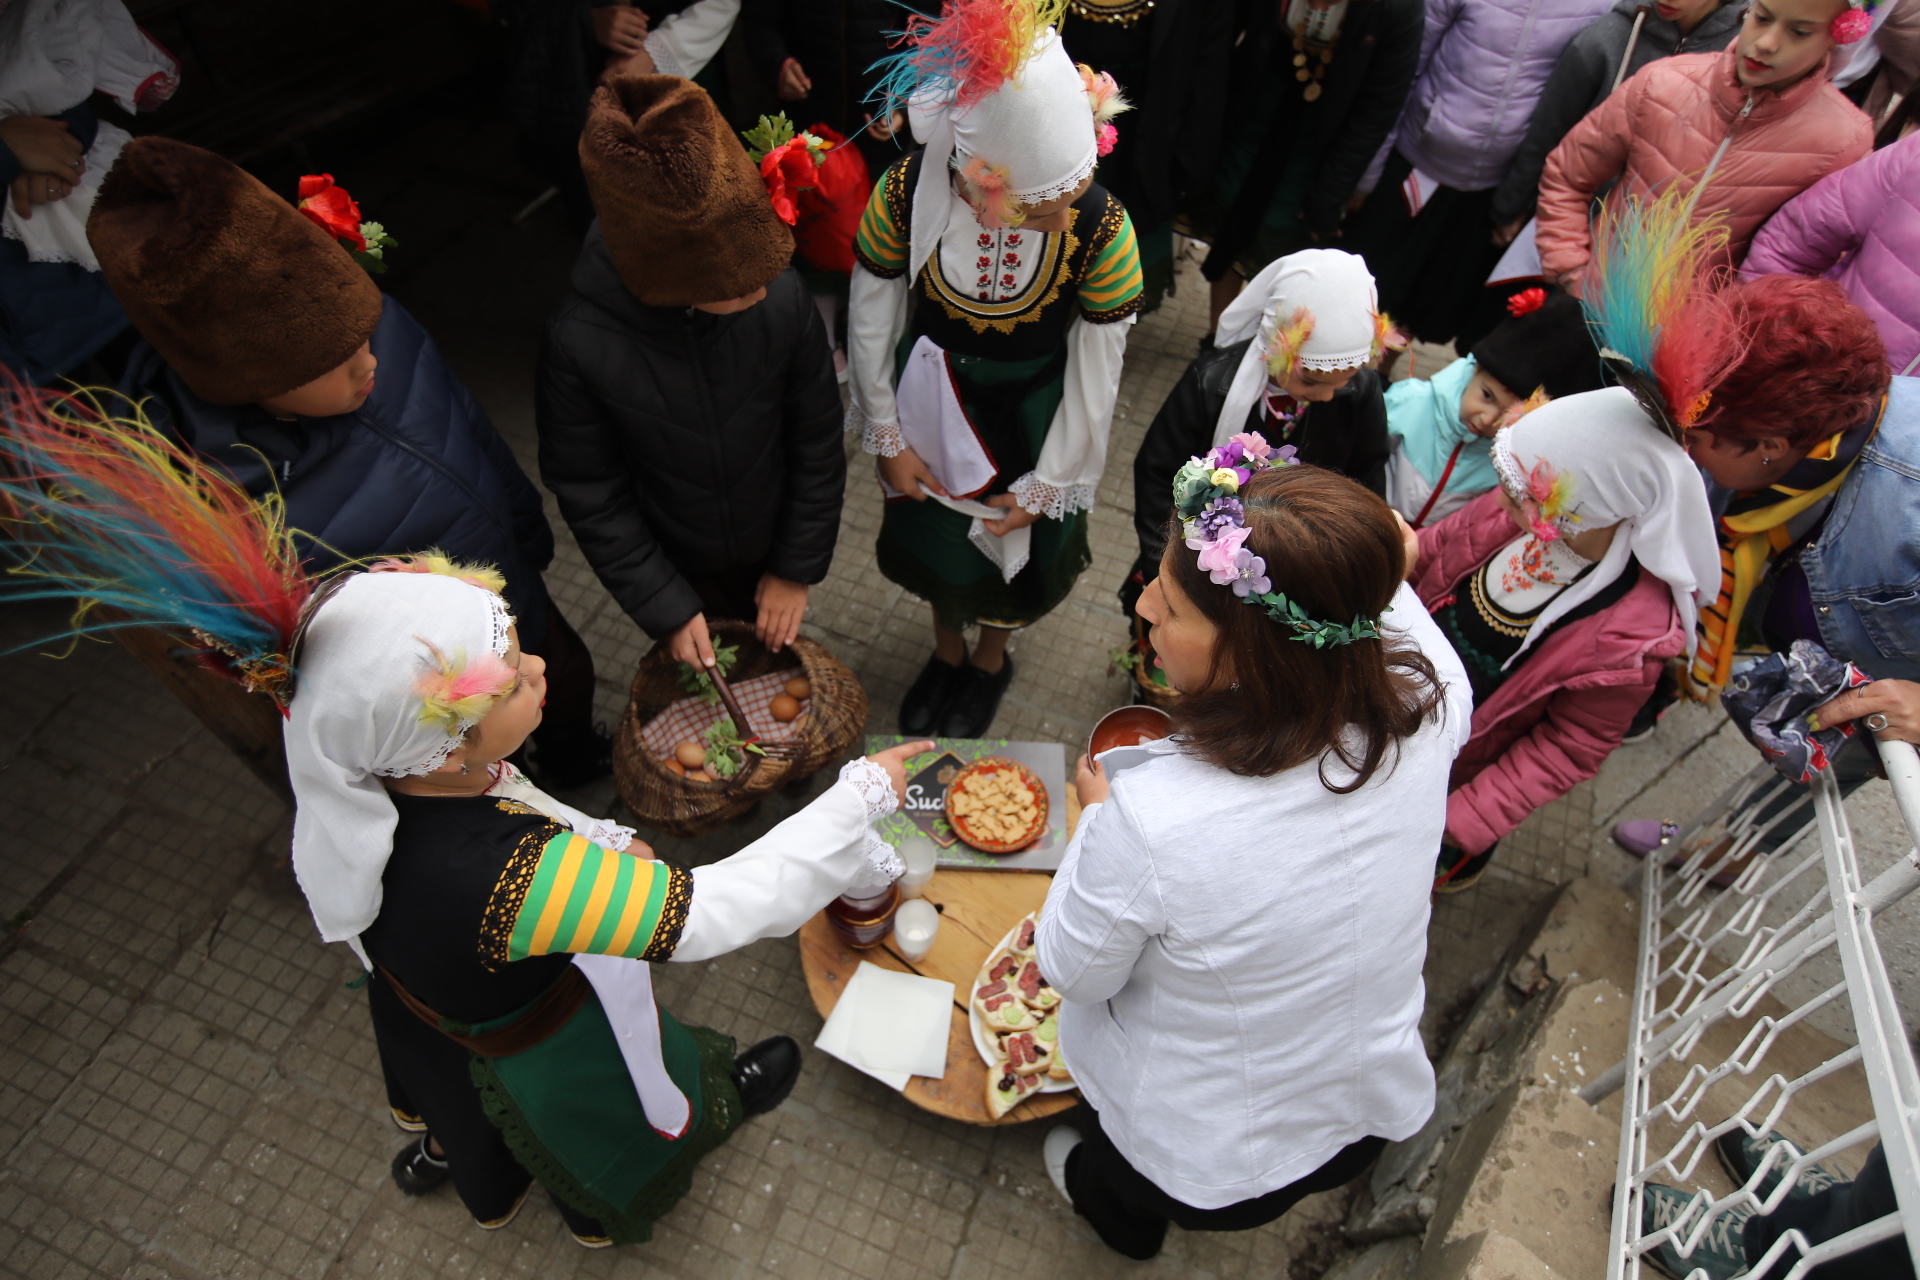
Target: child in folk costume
(988, 319)
(1443, 428)
(1568, 587)
(1291, 360)
(268, 350)
(516, 1023)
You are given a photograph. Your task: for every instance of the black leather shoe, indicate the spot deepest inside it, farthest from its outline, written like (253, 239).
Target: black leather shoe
(764, 1074)
(415, 1172)
(976, 697)
(926, 702)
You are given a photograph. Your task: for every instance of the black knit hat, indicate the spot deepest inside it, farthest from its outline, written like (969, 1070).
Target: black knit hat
(1547, 347)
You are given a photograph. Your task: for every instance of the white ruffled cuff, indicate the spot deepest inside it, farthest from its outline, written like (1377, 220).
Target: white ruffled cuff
(1055, 503)
(666, 62)
(875, 788)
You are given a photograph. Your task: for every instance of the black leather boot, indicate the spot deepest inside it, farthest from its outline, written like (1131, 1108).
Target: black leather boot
(415, 1172)
(764, 1074)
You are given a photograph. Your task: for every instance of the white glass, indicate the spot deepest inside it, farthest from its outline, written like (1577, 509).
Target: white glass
(914, 927)
(920, 854)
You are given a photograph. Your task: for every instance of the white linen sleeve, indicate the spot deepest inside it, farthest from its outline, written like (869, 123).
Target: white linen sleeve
(1103, 909)
(776, 884)
(876, 317)
(1066, 476)
(685, 42)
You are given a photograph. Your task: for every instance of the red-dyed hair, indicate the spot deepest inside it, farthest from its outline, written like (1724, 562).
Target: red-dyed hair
(1814, 365)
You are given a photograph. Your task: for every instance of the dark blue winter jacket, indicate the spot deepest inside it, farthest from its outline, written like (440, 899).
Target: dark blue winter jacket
(417, 466)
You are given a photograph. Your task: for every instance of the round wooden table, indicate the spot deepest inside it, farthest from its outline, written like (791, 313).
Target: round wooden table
(977, 908)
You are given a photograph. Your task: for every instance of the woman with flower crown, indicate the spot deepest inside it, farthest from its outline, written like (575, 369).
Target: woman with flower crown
(987, 321)
(1291, 360)
(1243, 1022)
(505, 932)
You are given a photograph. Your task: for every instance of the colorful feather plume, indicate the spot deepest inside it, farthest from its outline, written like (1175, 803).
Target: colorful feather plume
(434, 560)
(99, 507)
(966, 53)
(1387, 336)
(1284, 353)
(1654, 306)
(456, 691)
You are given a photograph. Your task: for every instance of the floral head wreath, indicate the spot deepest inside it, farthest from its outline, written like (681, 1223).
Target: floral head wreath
(1206, 496)
(1290, 337)
(1104, 96)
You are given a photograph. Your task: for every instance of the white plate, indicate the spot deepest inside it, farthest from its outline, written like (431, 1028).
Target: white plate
(984, 1037)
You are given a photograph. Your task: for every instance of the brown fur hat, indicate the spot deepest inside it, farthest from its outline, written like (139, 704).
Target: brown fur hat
(685, 213)
(242, 294)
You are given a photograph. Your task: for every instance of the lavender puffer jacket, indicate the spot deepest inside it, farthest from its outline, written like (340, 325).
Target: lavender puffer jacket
(1483, 64)
(1563, 707)
(1866, 219)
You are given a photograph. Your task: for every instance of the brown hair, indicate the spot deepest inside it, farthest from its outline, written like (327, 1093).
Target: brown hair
(1273, 701)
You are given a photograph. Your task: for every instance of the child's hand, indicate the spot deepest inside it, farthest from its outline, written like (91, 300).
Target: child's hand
(1410, 541)
(1507, 234)
(1017, 517)
(793, 84)
(691, 643)
(621, 28)
(782, 604)
(894, 761)
(905, 473)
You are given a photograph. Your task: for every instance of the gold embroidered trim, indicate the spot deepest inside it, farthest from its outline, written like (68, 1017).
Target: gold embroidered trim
(673, 915)
(1123, 13)
(885, 273)
(515, 806)
(1115, 314)
(510, 890)
(1055, 270)
(1500, 620)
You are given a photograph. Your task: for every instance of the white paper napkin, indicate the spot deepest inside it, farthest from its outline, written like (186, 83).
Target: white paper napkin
(890, 1025)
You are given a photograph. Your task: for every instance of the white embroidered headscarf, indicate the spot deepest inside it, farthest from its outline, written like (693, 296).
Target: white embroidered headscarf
(356, 718)
(1038, 126)
(1590, 460)
(1333, 287)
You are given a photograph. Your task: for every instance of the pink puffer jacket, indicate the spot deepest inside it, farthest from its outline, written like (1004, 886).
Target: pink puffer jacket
(1660, 130)
(1565, 705)
(1861, 227)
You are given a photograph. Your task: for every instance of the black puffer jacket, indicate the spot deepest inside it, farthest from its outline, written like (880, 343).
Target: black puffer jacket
(1347, 434)
(680, 442)
(418, 466)
(836, 42)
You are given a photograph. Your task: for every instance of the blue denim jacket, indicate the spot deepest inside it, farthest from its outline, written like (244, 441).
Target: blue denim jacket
(1864, 567)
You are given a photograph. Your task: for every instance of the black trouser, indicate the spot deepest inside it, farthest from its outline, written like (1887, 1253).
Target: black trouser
(568, 721)
(1131, 1214)
(1826, 1214)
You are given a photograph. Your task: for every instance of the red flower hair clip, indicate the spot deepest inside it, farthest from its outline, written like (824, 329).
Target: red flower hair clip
(787, 160)
(1526, 302)
(334, 211)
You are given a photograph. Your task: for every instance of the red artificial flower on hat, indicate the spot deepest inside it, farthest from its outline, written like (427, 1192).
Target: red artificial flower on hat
(331, 208)
(787, 169)
(1526, 302)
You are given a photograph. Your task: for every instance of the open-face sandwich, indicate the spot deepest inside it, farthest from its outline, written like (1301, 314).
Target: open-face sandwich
(1017, 1005)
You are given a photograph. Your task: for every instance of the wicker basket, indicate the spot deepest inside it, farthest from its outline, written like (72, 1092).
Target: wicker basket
(836, 716)
(1144, 689)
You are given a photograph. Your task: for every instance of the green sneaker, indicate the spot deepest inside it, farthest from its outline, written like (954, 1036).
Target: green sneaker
(1720, 1253)
(1741, 1155)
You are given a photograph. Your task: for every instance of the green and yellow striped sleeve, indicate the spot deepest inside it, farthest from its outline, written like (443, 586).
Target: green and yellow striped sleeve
(580, 898)
(881, 242)
(1111, 288)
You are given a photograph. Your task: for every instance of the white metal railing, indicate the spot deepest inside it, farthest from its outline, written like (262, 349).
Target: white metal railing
(1708, 956)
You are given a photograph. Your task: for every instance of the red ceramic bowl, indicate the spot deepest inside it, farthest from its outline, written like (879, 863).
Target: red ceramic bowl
(1127, 727)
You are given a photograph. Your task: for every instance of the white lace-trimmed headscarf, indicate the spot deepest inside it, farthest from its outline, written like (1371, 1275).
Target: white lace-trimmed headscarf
(1586, 461)
(1336, 291)
(1038, 126)
(356, 717)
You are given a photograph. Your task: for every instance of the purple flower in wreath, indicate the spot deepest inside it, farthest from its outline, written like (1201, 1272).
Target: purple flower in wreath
(1285, 456)
(1221, 514)
(1253, 443)
(1253, 575)
(1217, 556)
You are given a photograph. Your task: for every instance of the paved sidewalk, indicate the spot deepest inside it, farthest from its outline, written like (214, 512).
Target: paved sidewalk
(188, 1088)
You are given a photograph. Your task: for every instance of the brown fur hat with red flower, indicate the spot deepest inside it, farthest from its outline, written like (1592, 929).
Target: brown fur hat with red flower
(686, 215)
(246, 297)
